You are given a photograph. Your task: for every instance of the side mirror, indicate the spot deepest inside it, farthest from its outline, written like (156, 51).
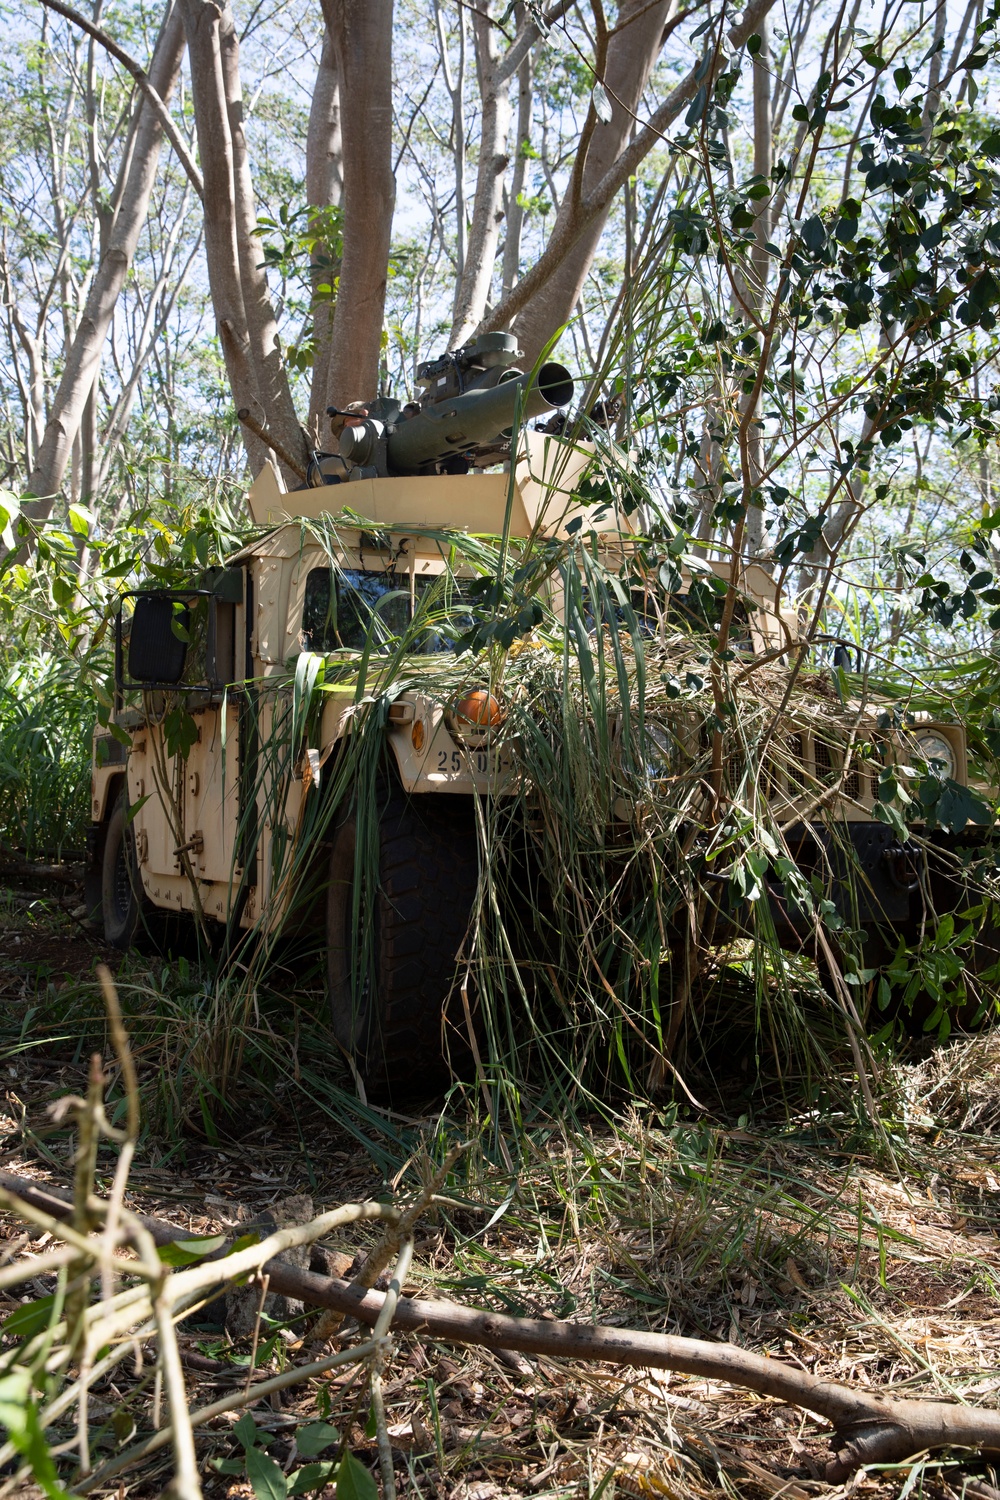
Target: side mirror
(156, 652)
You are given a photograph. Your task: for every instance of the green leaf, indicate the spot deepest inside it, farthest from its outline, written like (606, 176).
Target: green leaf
(269, 1483)
(19, 1415)
(31, 1318)
(130, 814)
(959, 805)
(753, 44)
(245, 1430)
(814, 234)
(228, 1465)
(9, 507)
(252, 1237)
(354, 1482)
(122, 1424)
(312, 1477)
(81, 519)
(892, 817)
(695, 111)
(186, 1252)
(312, 1439)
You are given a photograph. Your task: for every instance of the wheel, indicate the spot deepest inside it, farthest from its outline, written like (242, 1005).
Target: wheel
(418, 918)
(122, 897)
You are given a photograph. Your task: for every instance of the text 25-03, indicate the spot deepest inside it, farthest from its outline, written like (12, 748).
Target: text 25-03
(480, 762)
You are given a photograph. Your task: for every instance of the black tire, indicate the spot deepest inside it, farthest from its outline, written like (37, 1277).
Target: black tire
(122, 897)
(427, 875)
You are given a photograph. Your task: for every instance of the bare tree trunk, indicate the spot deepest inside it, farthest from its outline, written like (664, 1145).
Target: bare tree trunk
(575, 222)
(933, 95)
(361, 33)
(89, 442)
(222, 251)
(324, 189)
(324, 146)
(473, 290)
(454, 82)
(755, 285)
(84, 353)
(515, 213)
(265, 349)
(632, 50)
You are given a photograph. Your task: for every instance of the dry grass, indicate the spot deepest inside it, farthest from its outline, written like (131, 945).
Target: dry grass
(793, 1239)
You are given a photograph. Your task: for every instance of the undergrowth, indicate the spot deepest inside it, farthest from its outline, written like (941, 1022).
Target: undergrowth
(46, 718)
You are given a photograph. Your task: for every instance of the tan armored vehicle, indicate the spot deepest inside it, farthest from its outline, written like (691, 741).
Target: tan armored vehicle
(195, 815)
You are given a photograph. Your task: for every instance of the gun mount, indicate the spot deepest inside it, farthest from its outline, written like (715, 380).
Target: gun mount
(469, 400)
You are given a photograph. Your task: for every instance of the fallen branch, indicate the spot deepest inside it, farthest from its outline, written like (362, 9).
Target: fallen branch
(868, 1427)
(33, 869)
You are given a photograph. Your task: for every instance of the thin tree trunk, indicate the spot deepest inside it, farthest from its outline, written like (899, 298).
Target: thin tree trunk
(324, 189)
(361, 32)
(755, 285)
(84, 352)
(933, 95)
(153, 327)
(454, 82)
(32, 390)
(515, 213)
(222, 252)
(632, 50)
(594, 205)
(473, 290)
(262, 329)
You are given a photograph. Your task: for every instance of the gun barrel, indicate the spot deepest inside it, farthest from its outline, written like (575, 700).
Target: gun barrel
(478, 416)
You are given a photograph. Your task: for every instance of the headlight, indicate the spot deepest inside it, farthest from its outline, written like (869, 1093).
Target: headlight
(475, 714)
(934, 747)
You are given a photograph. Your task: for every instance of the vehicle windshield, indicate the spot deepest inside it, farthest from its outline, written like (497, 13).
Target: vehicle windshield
(698, 610)
(344, 608)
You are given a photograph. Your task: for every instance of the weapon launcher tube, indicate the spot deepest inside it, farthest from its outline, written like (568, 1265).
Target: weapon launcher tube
(478, 416)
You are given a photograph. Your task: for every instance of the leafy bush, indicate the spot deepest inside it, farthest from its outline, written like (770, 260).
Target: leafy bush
(46, 715)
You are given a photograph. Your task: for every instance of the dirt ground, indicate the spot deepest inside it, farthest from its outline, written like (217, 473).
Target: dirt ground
(794, 1238)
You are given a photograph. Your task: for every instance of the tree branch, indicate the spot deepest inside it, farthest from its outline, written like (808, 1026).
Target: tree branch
(141, 77)
(595, 202)
(868, 1427)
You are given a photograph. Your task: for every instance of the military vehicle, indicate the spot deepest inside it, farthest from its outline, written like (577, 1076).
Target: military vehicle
(193, 827)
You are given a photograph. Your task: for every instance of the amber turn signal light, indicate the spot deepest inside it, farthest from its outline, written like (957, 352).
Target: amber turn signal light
(478, 710)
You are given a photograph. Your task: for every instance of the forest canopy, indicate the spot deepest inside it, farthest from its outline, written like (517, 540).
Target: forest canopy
(773, 232)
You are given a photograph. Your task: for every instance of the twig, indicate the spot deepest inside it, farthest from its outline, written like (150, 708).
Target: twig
(382, 1325)
(264, 1281)
(130, 1083)
(204, 1414)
